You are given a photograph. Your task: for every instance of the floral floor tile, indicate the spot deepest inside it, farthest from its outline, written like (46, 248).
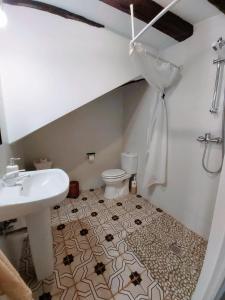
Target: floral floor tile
(117, 275)
(61, 280)
(104, 216)
(132, 292)
(93, 287)
(59, 253)
(133, 262)
(83, 265)
(117, 210)
(105, 252)
(121, 249)
(68, 294)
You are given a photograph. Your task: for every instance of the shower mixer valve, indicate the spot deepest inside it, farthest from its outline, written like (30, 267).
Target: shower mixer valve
(209, 139)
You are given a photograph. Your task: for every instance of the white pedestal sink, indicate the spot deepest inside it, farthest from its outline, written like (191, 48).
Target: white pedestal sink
(41, 190)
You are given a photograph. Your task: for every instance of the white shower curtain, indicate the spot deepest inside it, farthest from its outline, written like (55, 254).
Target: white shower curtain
(160, 75)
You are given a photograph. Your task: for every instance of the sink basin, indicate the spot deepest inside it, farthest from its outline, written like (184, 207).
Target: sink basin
(41, 189)
(37, 192)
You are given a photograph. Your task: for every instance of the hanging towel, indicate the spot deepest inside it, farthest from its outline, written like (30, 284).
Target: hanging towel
(160, 75)
(11, 284)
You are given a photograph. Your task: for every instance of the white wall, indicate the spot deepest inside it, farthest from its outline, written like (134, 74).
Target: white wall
(7, 151)
(190, 192)
(95, 127)
(51, 66)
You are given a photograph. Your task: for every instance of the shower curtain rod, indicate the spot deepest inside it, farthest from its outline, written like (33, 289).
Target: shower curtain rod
(152, 22)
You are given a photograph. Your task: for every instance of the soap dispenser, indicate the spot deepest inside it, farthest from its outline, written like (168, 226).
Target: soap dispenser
(134, 185)
(12, 165)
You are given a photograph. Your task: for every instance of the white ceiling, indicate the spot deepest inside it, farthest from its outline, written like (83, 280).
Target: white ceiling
(193, 11)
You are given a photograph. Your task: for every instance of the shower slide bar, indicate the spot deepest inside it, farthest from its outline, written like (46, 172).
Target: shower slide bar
(151, 23)
(214, 107)
(218, 47)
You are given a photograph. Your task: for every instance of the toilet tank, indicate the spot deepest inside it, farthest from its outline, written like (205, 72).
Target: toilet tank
(129, 162)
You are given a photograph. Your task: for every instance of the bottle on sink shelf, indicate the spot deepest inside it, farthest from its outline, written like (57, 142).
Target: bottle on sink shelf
(12, 165)
(134, 186)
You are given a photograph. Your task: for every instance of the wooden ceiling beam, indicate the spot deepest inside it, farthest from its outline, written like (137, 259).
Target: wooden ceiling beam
(220, 4)
(52, 10)
(146, 10)
(133, 81)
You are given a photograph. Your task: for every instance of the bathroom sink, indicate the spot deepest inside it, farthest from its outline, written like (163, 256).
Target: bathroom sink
(40, 189)
(32, 198)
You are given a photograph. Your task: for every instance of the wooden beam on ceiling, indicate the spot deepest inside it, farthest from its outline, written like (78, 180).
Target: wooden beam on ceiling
(53, 10)
(133, 81)
(220, 4)
(146, 10)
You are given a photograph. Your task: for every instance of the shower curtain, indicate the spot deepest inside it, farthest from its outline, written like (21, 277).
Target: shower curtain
(160, 75)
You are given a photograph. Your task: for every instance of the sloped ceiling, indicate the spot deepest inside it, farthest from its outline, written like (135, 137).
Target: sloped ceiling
(50, 66)
(194, 11)
(55, 64)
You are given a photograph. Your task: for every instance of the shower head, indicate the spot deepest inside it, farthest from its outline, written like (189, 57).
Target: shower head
(214, 46)
(218, 45)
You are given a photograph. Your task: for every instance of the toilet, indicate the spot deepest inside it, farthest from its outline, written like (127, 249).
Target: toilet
(117, 180)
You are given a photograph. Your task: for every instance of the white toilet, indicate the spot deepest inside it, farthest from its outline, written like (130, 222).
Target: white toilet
(117, 180)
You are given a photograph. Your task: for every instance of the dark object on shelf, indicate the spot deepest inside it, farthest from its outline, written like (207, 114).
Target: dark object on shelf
(74, 191)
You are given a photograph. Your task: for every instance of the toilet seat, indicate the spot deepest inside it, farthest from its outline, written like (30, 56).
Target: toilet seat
(117, 183)
(113, 174)
(117, 180)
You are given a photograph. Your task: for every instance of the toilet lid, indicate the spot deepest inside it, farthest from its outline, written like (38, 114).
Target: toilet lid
(113, 173)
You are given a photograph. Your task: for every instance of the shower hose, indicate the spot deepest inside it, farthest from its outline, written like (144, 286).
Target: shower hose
(222, 151)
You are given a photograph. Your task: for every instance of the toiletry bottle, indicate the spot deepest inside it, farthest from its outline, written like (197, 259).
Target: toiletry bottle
(12, 165)
(134, 186)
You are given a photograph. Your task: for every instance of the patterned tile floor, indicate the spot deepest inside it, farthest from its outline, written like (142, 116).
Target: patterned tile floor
(92, 258)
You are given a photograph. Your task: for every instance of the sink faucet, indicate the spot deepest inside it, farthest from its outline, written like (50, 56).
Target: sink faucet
(14, 178)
